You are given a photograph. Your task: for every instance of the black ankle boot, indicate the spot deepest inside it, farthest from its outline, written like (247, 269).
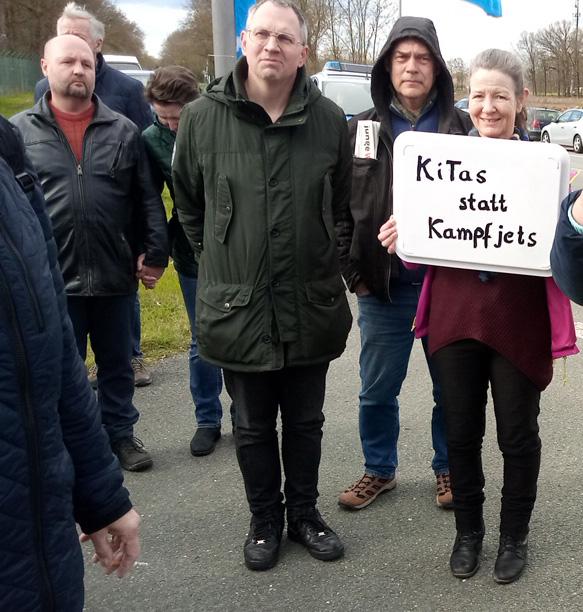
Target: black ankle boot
(511, 560)
(465, 557)
(261, 548)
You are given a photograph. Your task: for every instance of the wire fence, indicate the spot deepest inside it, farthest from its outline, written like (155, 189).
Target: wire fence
(18, 73)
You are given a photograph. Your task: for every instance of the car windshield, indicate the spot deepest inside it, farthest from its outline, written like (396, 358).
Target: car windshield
(123, 65)
(351, 97)
(544, 115)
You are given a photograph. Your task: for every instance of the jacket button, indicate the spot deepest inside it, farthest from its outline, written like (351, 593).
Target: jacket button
(266, 339)
(227, 305)
(273, 182)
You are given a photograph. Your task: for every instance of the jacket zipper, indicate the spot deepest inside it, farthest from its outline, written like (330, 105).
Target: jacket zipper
(116, 159)
(46, 593)
(25, 275)
(390, 191)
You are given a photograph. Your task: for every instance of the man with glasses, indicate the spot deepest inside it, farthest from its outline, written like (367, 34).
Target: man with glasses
(262, 183)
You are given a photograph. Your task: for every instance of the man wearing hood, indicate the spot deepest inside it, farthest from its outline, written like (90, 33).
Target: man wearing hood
(412, 89)
(261, 175)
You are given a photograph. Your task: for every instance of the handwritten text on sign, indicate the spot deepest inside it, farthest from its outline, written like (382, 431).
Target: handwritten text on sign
(476, 202)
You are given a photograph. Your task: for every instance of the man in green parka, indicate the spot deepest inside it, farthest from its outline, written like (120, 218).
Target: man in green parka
(262, 172)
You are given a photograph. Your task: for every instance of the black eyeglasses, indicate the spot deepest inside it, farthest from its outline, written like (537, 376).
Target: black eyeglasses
(285, 41)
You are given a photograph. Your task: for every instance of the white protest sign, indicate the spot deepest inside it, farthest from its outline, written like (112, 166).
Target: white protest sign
(478, 203)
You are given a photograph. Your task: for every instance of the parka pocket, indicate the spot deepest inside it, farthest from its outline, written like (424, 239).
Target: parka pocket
(327, 212)
(325, 292)
(223, 209)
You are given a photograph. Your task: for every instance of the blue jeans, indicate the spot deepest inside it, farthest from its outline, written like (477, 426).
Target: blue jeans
(386, 343)
(107, 321)
(136, 328)
(206, 381)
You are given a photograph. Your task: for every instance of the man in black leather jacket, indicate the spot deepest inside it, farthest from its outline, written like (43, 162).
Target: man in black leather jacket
(124, 95)
(108, 221)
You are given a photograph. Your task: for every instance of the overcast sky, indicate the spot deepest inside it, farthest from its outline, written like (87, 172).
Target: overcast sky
(463, 28)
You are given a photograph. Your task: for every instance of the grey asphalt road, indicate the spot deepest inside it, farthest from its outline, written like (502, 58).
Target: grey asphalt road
(195, 516)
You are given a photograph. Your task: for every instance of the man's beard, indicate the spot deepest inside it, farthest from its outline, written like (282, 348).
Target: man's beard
(74, 91)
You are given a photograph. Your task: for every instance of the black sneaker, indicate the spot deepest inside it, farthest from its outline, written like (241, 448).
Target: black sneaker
(311, 531)
(261, 548)
(131, 453)
(204, 441)
(511, 560)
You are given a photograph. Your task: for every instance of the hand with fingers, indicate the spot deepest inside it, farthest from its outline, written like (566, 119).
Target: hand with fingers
(388, 234)
(117, 546)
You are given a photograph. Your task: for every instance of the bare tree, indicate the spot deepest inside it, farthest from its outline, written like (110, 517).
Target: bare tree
(459, 74)
(530, 52)
(192, 44)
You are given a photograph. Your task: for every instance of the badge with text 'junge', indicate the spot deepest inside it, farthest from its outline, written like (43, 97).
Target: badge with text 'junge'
(478, 203)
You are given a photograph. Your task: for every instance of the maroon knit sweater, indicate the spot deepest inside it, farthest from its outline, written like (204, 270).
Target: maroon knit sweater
(508, 313)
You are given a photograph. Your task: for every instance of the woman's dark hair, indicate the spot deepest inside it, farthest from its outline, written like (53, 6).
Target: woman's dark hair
(172, 85)
(507, 63)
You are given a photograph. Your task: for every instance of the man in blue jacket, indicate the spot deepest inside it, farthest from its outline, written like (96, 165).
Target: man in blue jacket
(56, 467)
(567, 253)
(124, 95)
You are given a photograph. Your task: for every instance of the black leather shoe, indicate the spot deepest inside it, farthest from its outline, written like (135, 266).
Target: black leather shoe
(261, 549)
(311, 531)
(465, 556)
(511, 560)
(204, 441)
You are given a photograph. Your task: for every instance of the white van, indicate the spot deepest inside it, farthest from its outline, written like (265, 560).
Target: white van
(122, 62)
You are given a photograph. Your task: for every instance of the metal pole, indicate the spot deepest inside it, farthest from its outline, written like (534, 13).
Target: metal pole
(224, 43)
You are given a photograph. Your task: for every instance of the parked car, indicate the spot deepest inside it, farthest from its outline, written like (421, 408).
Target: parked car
(346, 84)
(123, 62)
(537, 119)
(566, 130)
(463, 104)
(141, 75)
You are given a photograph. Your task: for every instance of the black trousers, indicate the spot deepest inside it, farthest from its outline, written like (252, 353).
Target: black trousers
(464, 370)
(299, 393)
(107, 320)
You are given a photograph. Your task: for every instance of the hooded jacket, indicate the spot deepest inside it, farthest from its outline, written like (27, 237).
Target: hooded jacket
(104, 209)
(56, 465)
(567, 253)
(266, 206)
(371, 201)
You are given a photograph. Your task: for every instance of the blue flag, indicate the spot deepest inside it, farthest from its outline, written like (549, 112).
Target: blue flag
(492, 7)
(241, 9)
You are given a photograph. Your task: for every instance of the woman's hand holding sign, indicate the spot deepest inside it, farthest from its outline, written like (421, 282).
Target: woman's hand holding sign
(388, 234)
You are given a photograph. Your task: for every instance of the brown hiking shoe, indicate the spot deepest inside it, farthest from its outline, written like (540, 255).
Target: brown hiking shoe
(365, 491)
(444, 498)
(142, 376)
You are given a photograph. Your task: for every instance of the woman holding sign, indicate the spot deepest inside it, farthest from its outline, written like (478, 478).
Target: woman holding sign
(501, 330)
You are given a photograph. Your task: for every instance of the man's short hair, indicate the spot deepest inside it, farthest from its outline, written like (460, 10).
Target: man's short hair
(172, 85)
(74, 11)
(282, 4)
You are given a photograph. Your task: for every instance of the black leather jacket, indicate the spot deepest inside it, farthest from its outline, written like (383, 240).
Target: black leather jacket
(104, 209)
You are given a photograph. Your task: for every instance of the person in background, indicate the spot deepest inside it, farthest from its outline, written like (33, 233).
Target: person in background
(498, 330)
(261, 176)
(108, 220)
(124, 95)
(412, 89)
(56, 467)
(567, 251)
(169, 89)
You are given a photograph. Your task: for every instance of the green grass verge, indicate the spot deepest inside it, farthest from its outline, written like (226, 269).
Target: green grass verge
(10, 105)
